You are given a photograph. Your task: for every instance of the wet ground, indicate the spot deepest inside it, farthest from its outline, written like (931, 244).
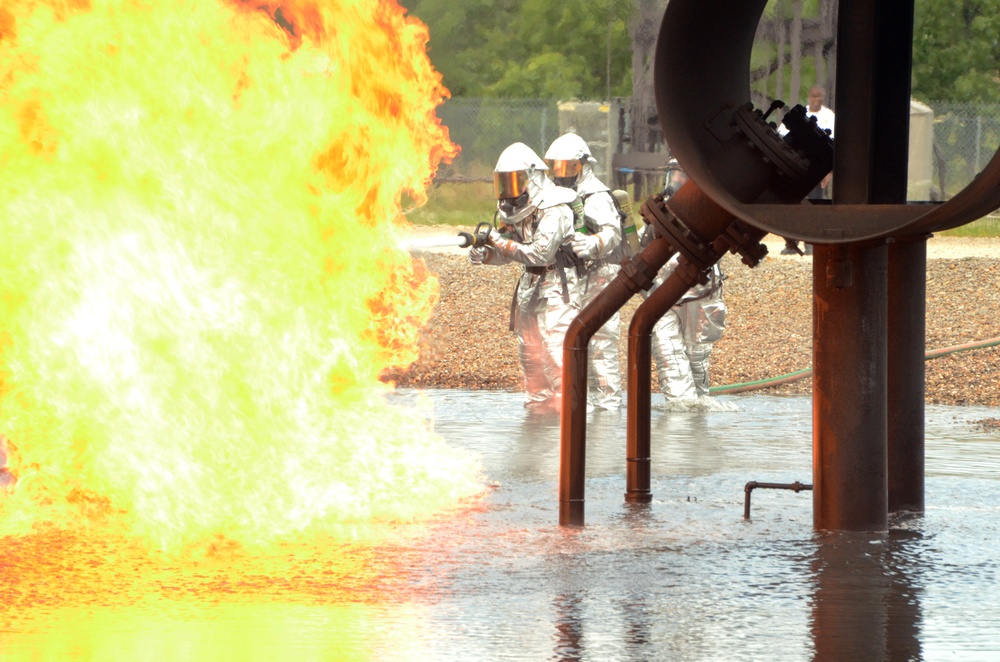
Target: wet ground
(688, 578)
(685, 577)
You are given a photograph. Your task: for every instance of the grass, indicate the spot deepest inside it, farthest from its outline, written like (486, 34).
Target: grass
(454, 204)
(988, 226)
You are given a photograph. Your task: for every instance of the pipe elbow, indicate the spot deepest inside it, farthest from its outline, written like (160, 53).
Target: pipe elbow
(659, 302)
(579, 333)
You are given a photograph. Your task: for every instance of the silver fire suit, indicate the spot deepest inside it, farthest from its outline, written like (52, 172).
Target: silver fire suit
(546, 299)
(684, 336)
(602, 261)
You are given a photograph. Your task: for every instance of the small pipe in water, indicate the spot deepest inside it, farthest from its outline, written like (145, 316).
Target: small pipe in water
(749, 487)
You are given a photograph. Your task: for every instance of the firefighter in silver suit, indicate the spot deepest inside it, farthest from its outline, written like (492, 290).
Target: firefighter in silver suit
(534, 220)
(684, 336)
(597, 242)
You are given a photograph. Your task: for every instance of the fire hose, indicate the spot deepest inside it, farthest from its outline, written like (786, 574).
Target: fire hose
(790, 377)
(799, 374)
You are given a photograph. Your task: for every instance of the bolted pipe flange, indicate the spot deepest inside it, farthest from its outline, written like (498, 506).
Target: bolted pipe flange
(636, 274)
(666, 223)
(762, 136)
(690, 274)
(744, 240)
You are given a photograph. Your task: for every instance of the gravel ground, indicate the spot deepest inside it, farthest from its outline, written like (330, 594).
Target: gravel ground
(769, 325)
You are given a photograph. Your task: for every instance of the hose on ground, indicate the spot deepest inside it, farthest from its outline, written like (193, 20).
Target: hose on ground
(790, 377)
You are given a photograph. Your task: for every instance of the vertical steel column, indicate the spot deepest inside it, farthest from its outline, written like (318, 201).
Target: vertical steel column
(907, 257)
(849, 387)
(905, 398)
(850, 283)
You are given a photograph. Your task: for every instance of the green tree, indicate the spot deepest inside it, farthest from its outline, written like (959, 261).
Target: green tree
(513, 48)
(956, 50)
(581, 48)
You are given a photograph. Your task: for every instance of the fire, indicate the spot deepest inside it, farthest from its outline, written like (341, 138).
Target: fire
(199, 279)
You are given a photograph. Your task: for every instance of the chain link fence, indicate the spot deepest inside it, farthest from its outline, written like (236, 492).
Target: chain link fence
(484, 127)
(962, 137)
(966, 136)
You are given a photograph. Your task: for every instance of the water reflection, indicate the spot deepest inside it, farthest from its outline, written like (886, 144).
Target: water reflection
(688, 444)
(866, 600)
(534, 456)
(684, 577)
(569, 639)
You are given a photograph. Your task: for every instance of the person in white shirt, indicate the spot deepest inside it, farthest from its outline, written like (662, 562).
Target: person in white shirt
(825, 119)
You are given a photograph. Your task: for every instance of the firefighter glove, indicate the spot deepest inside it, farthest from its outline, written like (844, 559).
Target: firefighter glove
(586, 246)
(477, 255)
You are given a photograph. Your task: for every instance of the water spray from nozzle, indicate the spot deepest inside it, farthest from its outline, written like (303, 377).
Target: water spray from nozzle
(478, 238)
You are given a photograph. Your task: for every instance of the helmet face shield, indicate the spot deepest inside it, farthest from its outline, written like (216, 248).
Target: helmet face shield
(560, 169)
(510, 185)
(565, 172)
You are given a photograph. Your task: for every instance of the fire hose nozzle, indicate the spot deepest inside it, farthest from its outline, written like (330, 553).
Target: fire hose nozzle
(477, 239)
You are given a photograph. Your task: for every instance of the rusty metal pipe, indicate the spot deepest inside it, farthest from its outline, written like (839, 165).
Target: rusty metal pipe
(712, 221)
(850, 387)
(636, 274)
(639, 384)
(702, 231)
(907, 293)
(757, 162)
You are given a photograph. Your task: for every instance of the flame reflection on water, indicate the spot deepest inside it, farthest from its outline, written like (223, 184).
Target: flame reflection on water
(684, 578)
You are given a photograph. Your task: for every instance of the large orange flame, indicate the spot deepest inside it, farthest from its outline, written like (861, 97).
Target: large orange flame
(199, 280)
